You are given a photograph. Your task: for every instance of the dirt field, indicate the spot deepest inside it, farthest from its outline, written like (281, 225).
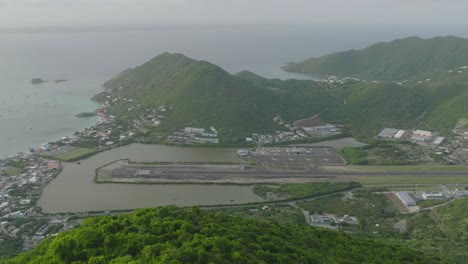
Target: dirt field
(397, 202)
(314, 121)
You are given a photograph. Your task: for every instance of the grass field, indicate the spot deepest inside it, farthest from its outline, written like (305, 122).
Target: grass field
(374, 180)
(435, 167)
(11, 170)
(76, 154)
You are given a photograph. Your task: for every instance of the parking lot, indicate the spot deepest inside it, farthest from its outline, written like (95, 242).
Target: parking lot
(298, 157)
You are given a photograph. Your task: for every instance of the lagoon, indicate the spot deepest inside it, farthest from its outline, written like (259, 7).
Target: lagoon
(75, 191)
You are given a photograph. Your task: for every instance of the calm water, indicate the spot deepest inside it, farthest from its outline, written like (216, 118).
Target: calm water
(74, 190)
(30, 115)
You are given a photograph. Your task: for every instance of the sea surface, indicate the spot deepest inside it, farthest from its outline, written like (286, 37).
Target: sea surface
(34, 114)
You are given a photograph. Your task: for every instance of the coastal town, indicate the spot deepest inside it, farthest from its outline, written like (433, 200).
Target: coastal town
(25, 175)
(22, 179)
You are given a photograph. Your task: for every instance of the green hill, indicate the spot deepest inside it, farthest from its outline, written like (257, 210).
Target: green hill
(197, 93)
(453, 217)
(443, 230)
(171, 235)
(396, 60)
(200, 94)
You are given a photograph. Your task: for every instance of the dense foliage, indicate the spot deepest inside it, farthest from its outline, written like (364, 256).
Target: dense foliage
(443, 230)
(384, 153)
(171, 235)
(454, 217)
(396, 60)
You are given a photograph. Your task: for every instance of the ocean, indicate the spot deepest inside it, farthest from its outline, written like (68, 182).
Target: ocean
(35, 114)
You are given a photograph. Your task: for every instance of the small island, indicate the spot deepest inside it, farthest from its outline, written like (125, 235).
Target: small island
(37, 81)
(85, 114)
(60, 80)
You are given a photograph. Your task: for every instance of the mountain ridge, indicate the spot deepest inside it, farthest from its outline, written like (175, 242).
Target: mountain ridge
(390, 61)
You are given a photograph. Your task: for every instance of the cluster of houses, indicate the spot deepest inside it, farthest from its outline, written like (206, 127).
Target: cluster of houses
(106, 132)
(18, 190)
(25, 184)
(280, 136)
(335, 80)
(151, 118)
(22, 179)
(194, 135)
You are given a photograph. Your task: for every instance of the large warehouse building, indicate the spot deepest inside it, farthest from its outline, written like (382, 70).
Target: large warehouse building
(406, 199)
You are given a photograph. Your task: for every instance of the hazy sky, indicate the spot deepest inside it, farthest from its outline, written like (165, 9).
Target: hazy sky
(27, 13)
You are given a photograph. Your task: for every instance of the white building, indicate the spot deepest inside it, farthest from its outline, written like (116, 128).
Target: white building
(433, 196)
(399, 134)
(194, 130)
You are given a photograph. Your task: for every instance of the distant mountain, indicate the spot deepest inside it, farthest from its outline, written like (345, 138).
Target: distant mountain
(198, 93)
(171, 235)
(396, 60)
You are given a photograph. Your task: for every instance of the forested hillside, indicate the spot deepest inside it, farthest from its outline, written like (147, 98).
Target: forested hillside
(171, 235)
(396, 60)
(200, 94)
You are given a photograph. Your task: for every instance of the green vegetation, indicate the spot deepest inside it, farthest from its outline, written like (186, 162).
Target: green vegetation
(281, 213)
(171, 235)
(429, 203)
(10, 171)
(200, 94)
(385, 153)
(396, 60)
(454, 217)
(76, 154)
(10, 246)
(17, 164)
(375, 180)
(369, 208)
(302, 190)
(197, 93)
(408, 168)
(443, 230)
